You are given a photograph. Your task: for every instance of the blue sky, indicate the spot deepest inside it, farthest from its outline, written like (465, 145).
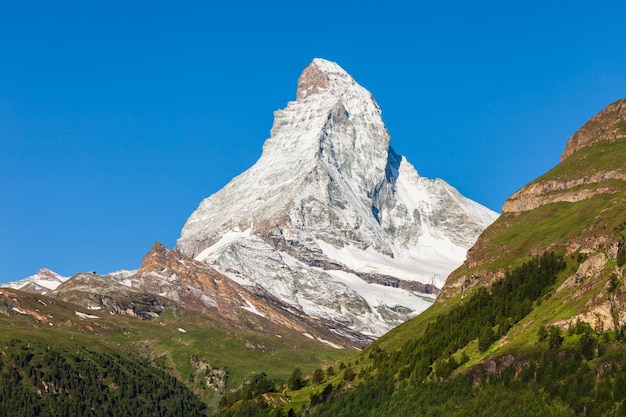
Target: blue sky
(118, 118)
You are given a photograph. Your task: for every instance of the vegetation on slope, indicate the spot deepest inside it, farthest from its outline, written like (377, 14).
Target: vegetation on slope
(461, 365)
(38, 380)
(206, 359)
(588, 225)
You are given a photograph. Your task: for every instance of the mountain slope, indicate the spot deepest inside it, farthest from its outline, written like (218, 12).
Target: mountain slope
(534, 322)
(330, 219)
(206, 352)
(577, 207)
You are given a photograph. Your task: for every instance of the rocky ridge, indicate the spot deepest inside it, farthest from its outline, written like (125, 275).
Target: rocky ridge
(608, 126)
(170, 280)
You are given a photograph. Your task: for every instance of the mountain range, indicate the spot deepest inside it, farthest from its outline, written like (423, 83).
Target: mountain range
(330, 223)
(295, 290)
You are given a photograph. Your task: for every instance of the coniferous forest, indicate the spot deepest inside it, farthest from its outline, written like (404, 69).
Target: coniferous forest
(37, 380)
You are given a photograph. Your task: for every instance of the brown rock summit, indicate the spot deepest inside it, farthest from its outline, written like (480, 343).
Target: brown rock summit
(312, 79)
(609, 124)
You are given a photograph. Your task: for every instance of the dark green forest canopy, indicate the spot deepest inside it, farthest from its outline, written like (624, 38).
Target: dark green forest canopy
(37, 380)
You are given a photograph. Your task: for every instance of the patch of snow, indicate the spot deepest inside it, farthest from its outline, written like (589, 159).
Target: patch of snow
(251, 308)
(226, 239)
(310, 336)
(85, 316)
(180, 329)
(380, 296)
(430, 262)
(331, 344)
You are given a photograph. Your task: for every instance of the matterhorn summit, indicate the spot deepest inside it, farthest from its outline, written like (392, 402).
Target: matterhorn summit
(330, 219)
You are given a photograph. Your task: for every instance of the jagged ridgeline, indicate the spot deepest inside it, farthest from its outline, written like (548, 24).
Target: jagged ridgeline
(533, 323)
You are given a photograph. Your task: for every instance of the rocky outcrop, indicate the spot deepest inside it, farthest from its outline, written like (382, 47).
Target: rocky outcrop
(607, 125)
(539, 194)
(311, 81)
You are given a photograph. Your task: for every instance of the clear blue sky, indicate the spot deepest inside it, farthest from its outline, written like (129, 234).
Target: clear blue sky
(118, 118)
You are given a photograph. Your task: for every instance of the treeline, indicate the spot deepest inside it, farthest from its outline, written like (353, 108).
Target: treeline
(565, 379)
(37, 380)
(487, 315)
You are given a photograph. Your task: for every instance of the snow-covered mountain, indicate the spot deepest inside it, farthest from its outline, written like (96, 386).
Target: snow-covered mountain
(42, 282)
(330, 219)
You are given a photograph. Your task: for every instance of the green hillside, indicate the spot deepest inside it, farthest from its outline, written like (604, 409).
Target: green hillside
(197, 359)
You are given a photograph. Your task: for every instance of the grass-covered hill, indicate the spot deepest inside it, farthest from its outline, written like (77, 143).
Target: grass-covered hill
(59, 358)
(532, 324)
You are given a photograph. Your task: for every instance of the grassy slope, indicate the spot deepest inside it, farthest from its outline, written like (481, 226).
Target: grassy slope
(242, 353)
(514, 237)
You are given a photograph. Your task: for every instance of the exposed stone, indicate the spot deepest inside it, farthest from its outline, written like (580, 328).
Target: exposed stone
(539, 194)
(492, 366)
(590, 267)
(311, 81)
(603, 126)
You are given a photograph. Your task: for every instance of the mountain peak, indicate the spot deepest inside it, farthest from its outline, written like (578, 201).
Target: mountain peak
(318, 76)
(608, 125)
(330, 212)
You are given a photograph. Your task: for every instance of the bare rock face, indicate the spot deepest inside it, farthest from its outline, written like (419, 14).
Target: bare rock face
(311, 81)
(541, 193)
(606, 125)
